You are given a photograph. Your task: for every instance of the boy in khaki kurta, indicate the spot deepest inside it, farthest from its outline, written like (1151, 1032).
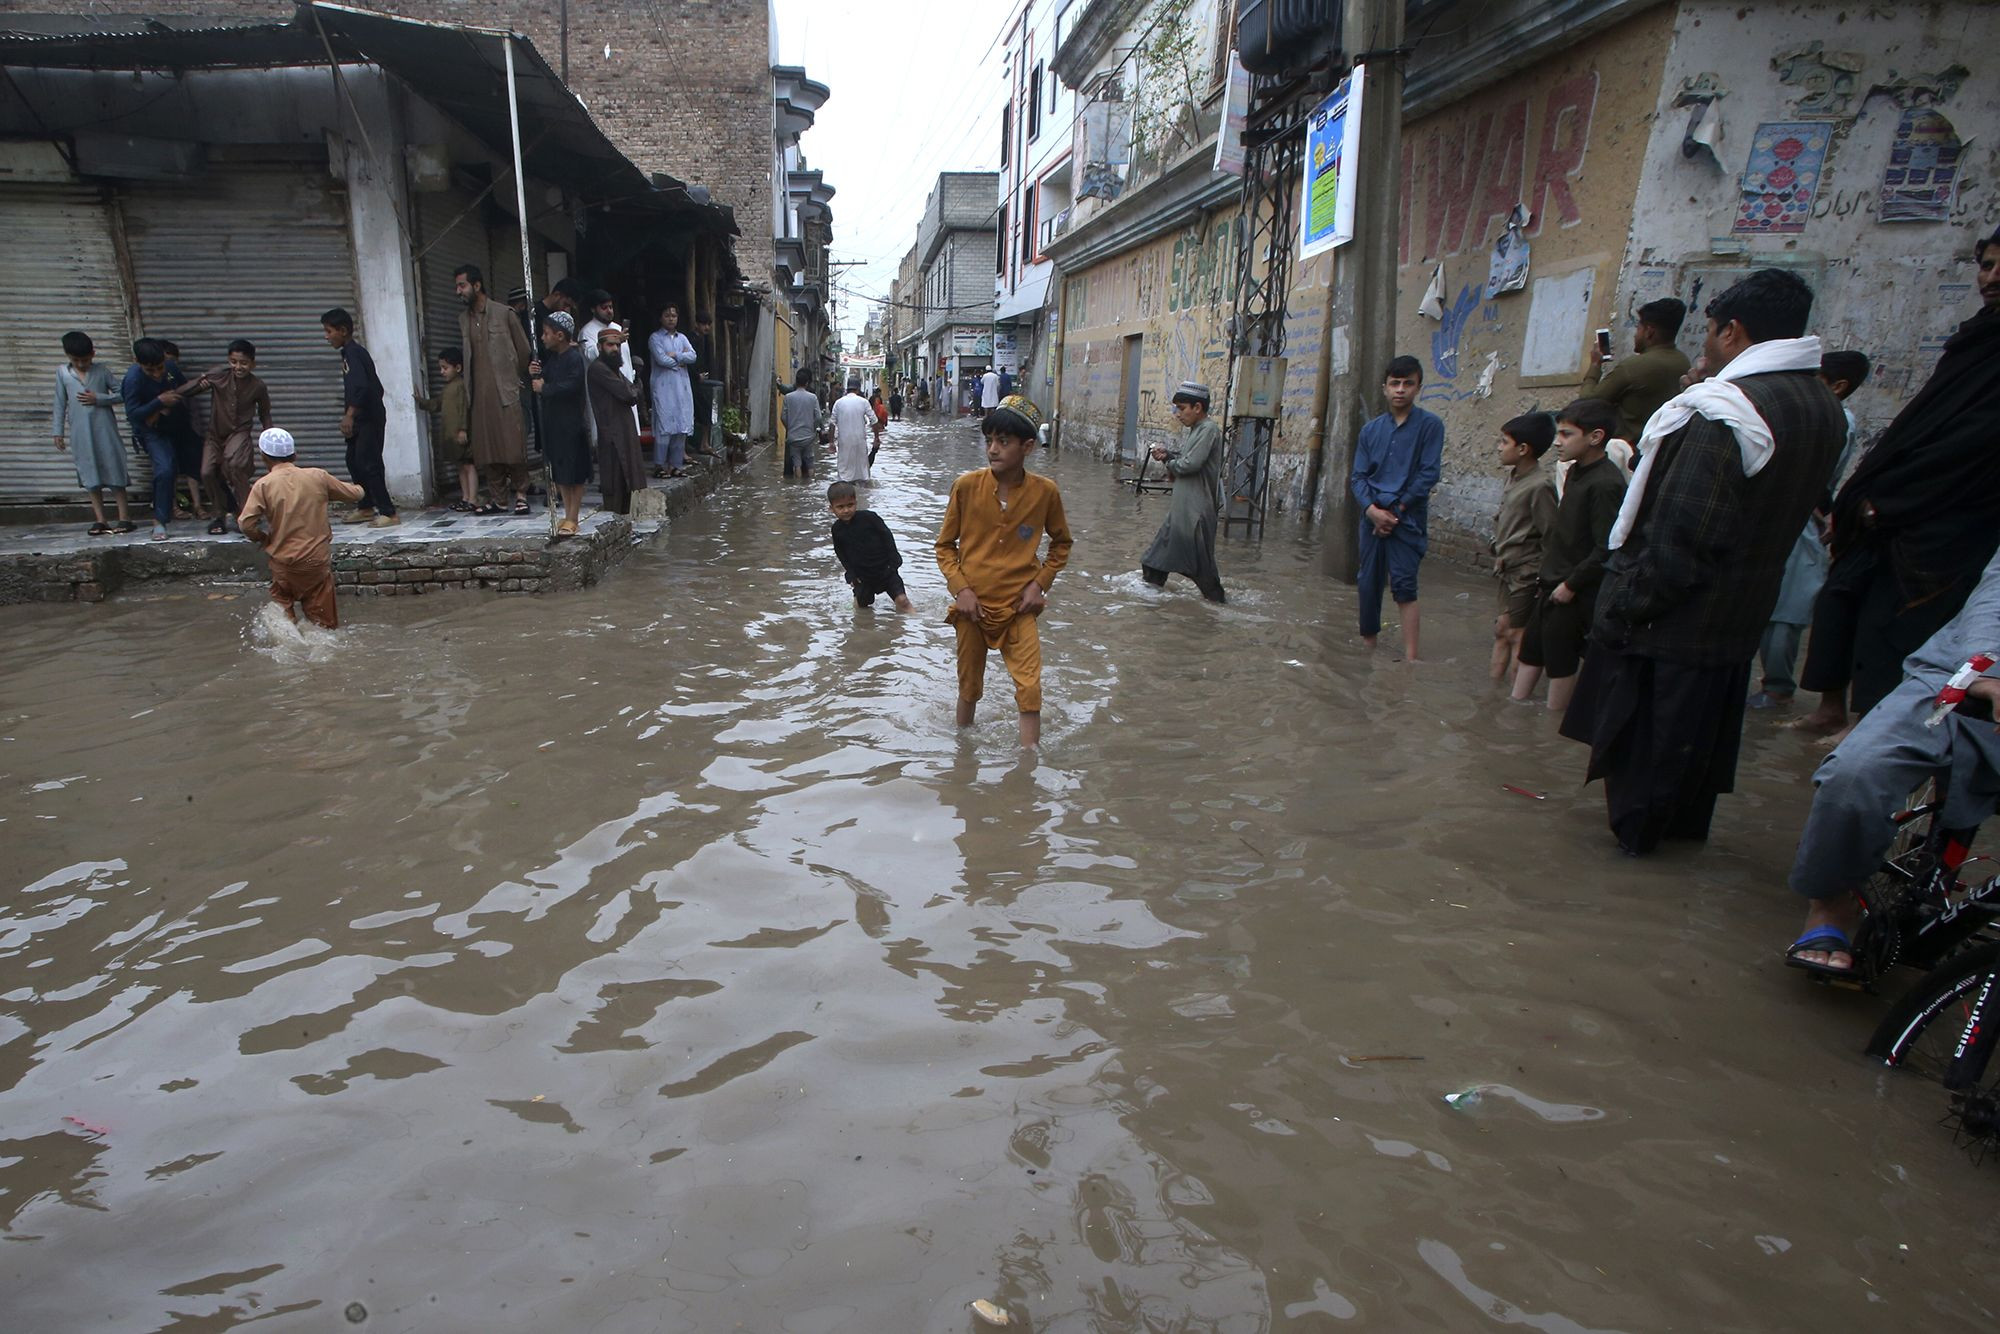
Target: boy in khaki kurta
(285, 513)
(986, 548)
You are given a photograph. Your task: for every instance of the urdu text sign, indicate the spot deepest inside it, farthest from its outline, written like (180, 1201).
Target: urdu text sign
(1333, 141)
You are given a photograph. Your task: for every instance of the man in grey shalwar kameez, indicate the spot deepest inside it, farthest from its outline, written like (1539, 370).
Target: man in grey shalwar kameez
(1891, 753)
(1186, 541)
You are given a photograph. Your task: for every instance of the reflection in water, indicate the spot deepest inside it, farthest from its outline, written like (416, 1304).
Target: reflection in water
(658, 957)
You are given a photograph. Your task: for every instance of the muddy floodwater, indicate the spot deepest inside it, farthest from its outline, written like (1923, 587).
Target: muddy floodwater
(657, 958)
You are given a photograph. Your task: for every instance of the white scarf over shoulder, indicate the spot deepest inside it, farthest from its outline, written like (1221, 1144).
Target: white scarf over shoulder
(1720, 401)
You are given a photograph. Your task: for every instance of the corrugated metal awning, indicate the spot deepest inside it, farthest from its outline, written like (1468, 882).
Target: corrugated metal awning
(460, 70)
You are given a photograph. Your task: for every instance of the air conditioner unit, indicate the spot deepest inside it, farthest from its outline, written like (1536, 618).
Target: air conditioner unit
(1278, 37)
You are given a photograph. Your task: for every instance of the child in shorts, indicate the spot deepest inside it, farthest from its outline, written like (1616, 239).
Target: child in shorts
(986, 548)
(453, 440)
(865, 548)
(1573, 553)
(1527, 512)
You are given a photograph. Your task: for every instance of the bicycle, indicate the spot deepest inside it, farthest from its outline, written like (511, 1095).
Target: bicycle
(1946, 1029)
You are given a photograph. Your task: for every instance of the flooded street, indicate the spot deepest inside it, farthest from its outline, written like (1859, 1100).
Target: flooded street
(657, 958)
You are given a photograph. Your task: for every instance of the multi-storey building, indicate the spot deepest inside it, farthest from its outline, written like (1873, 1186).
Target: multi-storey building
(1034, 196)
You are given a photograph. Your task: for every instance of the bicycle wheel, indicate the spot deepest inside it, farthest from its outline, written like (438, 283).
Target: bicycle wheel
(1922, 1030)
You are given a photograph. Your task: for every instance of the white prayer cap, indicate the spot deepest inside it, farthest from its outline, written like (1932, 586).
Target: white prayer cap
(277, 442)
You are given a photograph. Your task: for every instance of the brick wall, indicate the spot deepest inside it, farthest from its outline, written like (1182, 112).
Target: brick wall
(686, 89)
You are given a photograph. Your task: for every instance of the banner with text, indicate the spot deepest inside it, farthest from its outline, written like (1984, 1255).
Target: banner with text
(1333, 161)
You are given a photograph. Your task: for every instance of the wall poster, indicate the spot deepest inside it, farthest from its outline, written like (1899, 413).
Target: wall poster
(1333, 138)
(1787, 159)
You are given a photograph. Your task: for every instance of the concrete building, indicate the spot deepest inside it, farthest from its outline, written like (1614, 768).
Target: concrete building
(909, 322)
(1852, 146)
(1035, 195)
(956, 259)
(803, 225)
(205, 183)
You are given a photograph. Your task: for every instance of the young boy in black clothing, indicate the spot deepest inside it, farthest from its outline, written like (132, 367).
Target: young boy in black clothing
(1573, 553)
(866, 548)
(364, 422)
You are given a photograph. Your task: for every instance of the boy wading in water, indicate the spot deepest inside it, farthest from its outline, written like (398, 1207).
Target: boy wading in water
(1396, 466)
(993, 525)
(285, 513)
(866, 548)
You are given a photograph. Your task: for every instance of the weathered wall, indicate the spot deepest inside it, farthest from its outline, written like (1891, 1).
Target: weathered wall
(1176, 293)
(1569, 144)
(1891, 288)
(686, 89)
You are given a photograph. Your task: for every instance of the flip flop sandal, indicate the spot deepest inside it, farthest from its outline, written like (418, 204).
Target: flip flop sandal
(521, 507)
(124, 527)
(218, 529)
(100, 530)
(460, 507)
(1824, 939)
(485, 511)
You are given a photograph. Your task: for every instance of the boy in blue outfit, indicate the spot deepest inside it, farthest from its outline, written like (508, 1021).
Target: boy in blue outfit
(1396, 464)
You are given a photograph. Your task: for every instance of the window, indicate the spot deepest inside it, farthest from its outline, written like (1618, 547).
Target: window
(1225, 42)
(1029, 240)
(1052, 205)
(1000, 250)
(1006, 124)
(1035, 104)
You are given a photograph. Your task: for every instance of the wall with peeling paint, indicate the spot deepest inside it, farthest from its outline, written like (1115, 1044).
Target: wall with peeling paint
(1567, 140)
(1882, 79)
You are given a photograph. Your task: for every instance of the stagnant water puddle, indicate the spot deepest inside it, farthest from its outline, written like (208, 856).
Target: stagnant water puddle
(658, 958)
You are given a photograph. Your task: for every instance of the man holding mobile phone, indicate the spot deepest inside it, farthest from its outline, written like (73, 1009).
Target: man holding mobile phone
(1638, 385)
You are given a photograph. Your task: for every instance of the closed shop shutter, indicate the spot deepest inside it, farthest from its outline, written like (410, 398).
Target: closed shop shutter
(58, 271)
(257, 253)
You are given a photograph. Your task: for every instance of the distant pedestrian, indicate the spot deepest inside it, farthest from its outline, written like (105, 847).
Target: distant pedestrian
(1397, 461)
(364, 422)
(1520, 531)
(1638, 385)
(1916, 523)
(285, 513)
(1575, 546)
(1728, 471)
(239, 406)
(495, 342)
(1185, 543)
(85, 422)
(452, 442)
(673, 395)
(989, 390)
(881, 423)
(865, 548)
(558, 378)
(621, 467)
(805, 425)
(1805, 569)
(896, 404)
(986, 548)
(1006, 382)
(852, 421)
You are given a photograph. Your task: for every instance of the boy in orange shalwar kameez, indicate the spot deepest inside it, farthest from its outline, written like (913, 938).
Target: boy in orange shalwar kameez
(993, 526)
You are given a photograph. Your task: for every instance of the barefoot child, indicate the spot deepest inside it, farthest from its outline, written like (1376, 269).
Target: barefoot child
(1573, 553)
(1396, 466)
(986, 548)
(1527, 513)
(86, 422)
(866, 548)
(454, 438)
(285, 513)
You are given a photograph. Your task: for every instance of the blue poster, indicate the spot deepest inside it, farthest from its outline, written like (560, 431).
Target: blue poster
(1326, 210)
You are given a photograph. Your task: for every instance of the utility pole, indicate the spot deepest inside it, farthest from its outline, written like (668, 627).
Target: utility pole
(1365, 272)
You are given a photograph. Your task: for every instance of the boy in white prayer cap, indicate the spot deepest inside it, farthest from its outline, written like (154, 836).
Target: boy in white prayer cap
(286, 515)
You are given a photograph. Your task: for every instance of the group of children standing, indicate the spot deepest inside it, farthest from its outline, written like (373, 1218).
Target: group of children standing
(218, 462)
(1552, 535)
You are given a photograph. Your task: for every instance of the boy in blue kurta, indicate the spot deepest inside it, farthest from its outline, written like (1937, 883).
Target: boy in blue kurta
(1396, 463)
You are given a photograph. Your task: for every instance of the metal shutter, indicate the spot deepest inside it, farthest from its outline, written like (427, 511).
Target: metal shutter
(58, 271)
(452, 232)
(257, 253)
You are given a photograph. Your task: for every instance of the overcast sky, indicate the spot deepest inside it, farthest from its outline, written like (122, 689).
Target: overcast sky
(916, 89)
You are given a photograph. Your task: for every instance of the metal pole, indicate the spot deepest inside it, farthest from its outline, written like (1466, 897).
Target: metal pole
(527, 257)
(1366, 266)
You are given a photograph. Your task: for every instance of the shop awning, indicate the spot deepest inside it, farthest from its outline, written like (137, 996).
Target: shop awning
(459, 69)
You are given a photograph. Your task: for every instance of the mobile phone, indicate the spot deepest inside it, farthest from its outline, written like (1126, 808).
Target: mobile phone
(1603, 342)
